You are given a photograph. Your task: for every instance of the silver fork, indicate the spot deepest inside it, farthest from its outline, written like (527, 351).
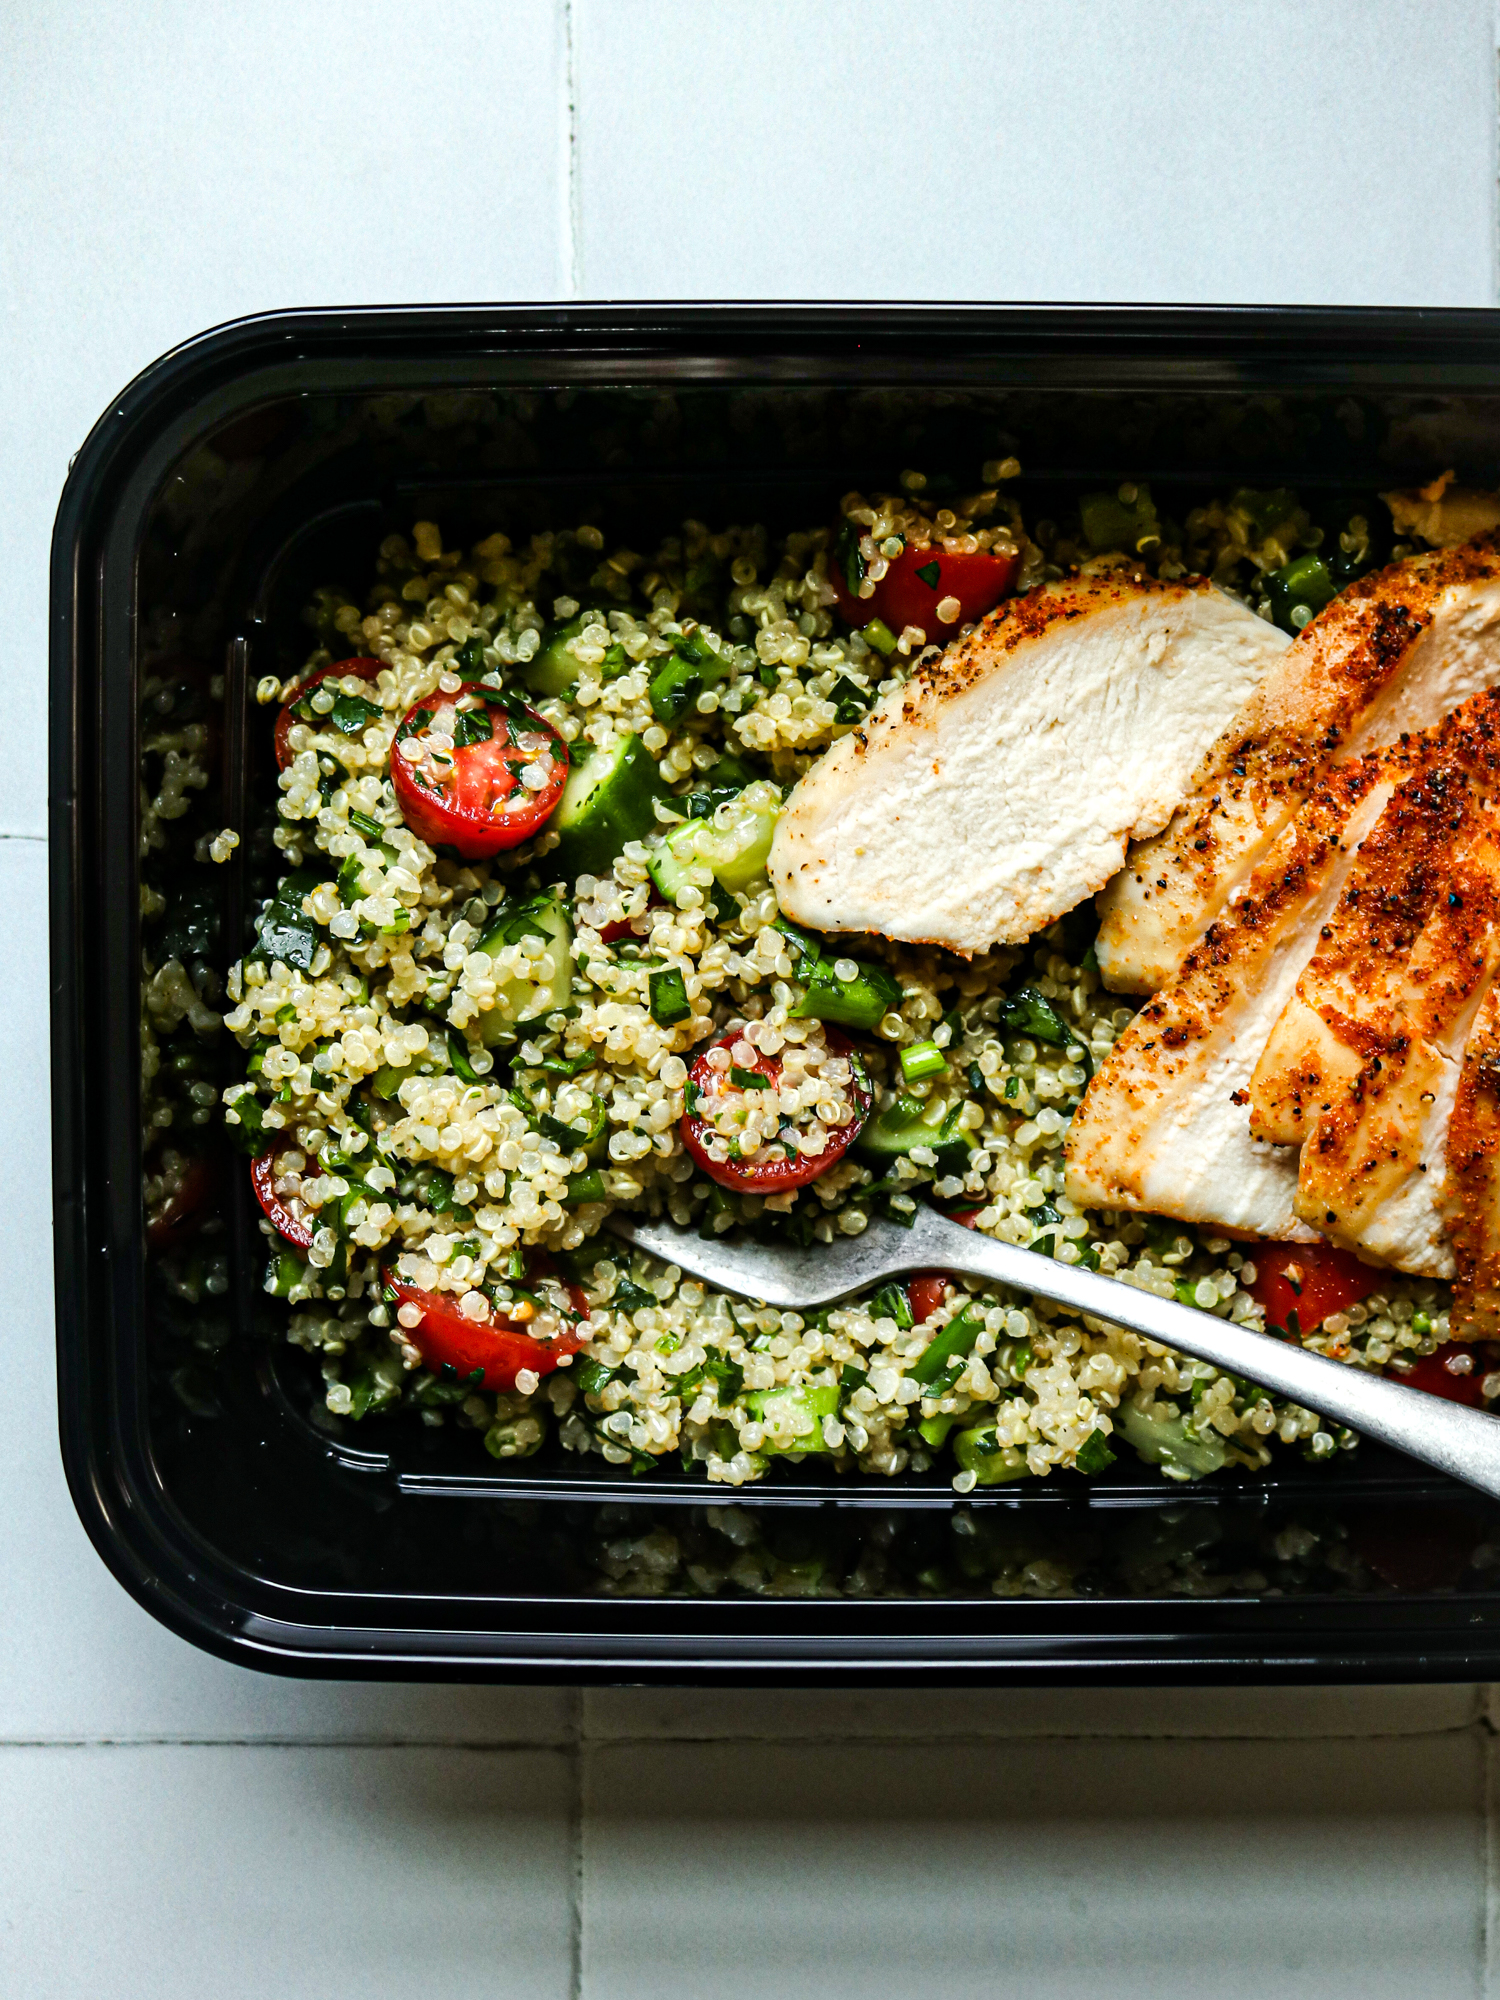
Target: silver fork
(1464, 1443)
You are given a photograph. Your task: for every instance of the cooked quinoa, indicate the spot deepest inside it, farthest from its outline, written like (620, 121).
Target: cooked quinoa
(420, 1146)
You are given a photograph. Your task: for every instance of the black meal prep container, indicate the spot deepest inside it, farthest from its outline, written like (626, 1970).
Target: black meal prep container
(259, 460)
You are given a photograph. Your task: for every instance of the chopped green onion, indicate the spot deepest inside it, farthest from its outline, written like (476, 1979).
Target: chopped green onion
(880, 636)
(956, 1338)
(922, 1059)
(564, 1065)
(370, 828)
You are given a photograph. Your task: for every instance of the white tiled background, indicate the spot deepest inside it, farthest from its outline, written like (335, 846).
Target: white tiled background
(169, 1824)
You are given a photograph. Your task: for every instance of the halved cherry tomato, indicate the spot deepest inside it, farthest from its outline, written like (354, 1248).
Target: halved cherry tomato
(1311, 1280)
(364, 670)
(497, 1348)
(469, 795)
(286, 1213)
(925, 1293)
(795, 1169)
(1433, 1373)
(916, 583)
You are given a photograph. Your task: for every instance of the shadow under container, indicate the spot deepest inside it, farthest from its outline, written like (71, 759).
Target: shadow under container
(271, 456)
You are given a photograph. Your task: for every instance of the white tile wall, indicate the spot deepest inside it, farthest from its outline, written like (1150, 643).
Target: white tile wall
(165, 166)
(1232, 1868)
(1085, 149)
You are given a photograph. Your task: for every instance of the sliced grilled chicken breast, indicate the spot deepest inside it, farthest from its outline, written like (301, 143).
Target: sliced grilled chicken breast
(1393, 654)
(1471, 1197)
(1165, 1124)
(1000, 786)
(1362, 1068)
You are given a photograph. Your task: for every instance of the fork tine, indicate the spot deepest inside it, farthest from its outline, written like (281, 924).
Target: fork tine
(773, 1274)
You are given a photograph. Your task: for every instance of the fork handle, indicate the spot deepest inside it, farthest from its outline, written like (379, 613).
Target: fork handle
(1461, 1442)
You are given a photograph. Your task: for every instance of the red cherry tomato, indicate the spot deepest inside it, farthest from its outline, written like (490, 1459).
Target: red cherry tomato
(498, 1348)
(287, 1212)
(772, 1176)
(364, 670)
(925, 1293)
(909, 593)
(470, 796)
(1432, 1373)
(1311, 1280)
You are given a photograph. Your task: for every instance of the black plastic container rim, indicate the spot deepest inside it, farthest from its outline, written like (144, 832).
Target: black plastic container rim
(230, 369)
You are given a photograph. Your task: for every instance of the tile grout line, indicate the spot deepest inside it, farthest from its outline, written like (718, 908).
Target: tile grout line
(488, 1745)
(1489, 1934)
(579, 1740)
(576, 1717)
(571, 220)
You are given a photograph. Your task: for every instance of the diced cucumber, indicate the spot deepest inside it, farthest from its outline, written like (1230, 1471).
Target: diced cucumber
(1165, 1441)
(553, 669)
(859, 1002)
(794, 1417)
(692, 666)
(609, 799)
(735, 851)
(549, 989)
(909, 1123)
(730, 775)
(992, 1463)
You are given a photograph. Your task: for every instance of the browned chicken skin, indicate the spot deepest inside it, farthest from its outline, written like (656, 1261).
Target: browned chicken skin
(1361, 1068)
(1328, 1056)
(1394, 653)
(1471, 1197)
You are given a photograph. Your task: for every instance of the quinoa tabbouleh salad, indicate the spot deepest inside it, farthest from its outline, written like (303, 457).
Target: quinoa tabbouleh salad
(525, 964)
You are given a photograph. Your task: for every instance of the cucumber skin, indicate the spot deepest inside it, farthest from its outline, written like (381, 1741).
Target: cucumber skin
(552, 923)
(618, 809)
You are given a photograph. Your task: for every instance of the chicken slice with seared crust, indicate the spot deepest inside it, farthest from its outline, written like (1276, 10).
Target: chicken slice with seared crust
(1471, 1195)
(1362, 1068)
(1165, 1124)
(999, 787)
(1393, 654)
